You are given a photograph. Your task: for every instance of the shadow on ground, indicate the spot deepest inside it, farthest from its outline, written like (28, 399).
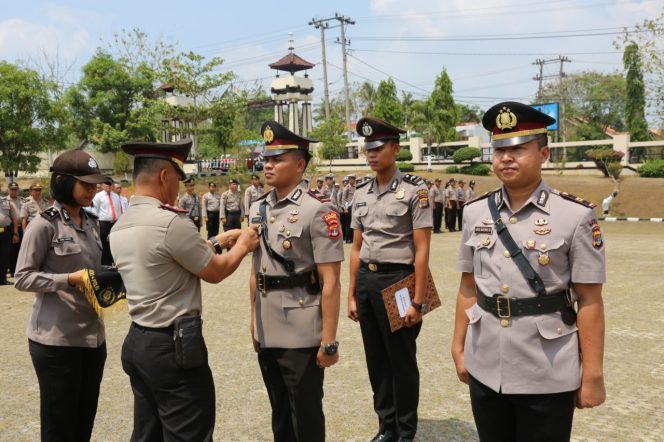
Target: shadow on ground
(431, 430)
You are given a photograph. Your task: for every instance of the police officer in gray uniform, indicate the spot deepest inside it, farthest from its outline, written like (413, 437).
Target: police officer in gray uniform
(392, 221)
(189, 202)
(231, 210)
(347, 207)
(33, 205)
(294, 288)
(162, 259)
(8, 235)
(17, 203)
(211, 204)
(528, 253)
(253, 193)
(66, 338)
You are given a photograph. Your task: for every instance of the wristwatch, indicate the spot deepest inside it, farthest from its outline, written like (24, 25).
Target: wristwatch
(330, 349)
(216, 245)
(422, 308)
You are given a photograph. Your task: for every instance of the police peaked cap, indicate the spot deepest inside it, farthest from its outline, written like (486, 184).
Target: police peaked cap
(376, 132)
(512, 123)
(175, 152)
(279, 140)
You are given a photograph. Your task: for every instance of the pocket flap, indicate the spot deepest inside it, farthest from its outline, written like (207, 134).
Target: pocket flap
(292, 231)
(553, 328)
(304, 300)
(542, 245)
(481, 242)
(399, 209)
(474, 313)
(66, 248)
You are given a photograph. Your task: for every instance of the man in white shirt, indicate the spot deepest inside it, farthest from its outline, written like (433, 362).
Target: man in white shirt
(106, 205)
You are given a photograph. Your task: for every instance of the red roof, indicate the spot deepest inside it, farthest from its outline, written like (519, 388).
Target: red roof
(291, 63)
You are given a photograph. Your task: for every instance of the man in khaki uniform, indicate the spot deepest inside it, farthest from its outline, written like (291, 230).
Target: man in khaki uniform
(328, 189)
(517, 341)
(347, 209)
(162, 259)
(451, 205)
(461, 202)
(438, 204)
(231, 211)
(211, 205)
(252, 194)
(33, 205)
(17, 203)
(8, 235)
(189, 202)
(470, 191)
(392, 221)
(294, 288)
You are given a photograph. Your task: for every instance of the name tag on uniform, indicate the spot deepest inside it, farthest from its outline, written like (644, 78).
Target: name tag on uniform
(63, 239)
(256, 220)
(362, 204)
(484, 229)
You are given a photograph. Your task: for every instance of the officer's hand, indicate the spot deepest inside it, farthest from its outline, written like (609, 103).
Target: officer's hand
(591, 393)
(461, 371)
(257, 345)
(323, 360)
(248, 238)
(228, 238)
(15, 238)
(76, 278)
(205, 219)
(223, 220)
(412, 316)
(352, 308)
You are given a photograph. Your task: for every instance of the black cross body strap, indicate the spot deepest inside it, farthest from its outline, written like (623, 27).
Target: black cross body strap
(515, 251)
(286, 263)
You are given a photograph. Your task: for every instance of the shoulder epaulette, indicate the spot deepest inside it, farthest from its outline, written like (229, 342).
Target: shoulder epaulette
(50, 214)
(413, 179)
(573, 198)
(362, 184)
(481, 197)
(173, 209)
(317, 196)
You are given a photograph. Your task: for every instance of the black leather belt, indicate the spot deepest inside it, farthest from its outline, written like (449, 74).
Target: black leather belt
(386, 267)
(232, 212)
(309, 280)
(504, 307)
(168, 330)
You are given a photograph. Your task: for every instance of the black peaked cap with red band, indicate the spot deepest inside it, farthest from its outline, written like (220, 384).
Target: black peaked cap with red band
(512, 123)
(279, 140)
(175, 152)
(376, 132)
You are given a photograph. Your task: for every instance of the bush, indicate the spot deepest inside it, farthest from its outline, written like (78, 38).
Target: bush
(614, 169)
(476, 169)
(405, 167)
(404, 155)
(604, 157)
(652, 169)
(466, 154)
(452, 169)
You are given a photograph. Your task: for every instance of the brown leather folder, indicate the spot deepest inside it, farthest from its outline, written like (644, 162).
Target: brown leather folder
(431, 298)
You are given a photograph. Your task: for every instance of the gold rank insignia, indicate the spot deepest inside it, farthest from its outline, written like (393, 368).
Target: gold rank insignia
(505, 119)
(286, 244)
(268, 135)
(541, 222)
(542, 231)
(543, 259)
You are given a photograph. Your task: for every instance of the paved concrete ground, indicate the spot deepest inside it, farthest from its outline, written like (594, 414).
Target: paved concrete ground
(634, 359)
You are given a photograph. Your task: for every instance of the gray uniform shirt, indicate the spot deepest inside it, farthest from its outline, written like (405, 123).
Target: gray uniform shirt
(251, 195)
(347, 196)
(387, 218)
(7, 211)
(52, 248)
(211, 203)
(31, 208)
(305, 229)
(158, 253)
(190, 204)
(539, 353)
(230, 202)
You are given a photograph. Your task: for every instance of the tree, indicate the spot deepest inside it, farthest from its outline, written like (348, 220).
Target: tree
(25, 112)
(649, 38)
(443, 109)
(594, 101)
(387, 106)
(111, 103)
(364, 98)
(191, 75)
(466, 154)
(635, 103)
(331, 136)
(467, 114)
(407, 108)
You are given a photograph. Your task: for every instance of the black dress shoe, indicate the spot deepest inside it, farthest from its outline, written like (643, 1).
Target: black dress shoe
(388, 436)
(6, 283)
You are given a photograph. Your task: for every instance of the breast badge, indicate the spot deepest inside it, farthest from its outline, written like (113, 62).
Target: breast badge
(530, 244)
(401, 193)
(541, 222)
(542, 231)
(543, 259)
(287, 244)
(487, 221)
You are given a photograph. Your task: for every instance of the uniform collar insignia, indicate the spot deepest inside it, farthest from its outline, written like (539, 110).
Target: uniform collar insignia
(296, 195)
(543, 198)
(393, 186)
(371, 186)
(498, 198)
(65, 215)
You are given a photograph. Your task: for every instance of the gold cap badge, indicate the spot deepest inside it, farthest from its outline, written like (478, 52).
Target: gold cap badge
(505, 119)
(268, 135)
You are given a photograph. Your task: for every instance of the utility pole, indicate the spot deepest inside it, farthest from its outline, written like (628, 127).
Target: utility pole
(560, 75)
(342, 22)
(322, 25)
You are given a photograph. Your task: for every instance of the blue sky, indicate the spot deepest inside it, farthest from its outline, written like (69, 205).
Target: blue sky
(487, 46)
